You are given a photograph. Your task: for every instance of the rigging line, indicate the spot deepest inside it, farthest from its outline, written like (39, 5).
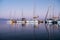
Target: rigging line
(47, 13)
(34, 7)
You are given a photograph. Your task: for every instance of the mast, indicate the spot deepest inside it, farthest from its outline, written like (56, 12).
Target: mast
(34, 9)
(14, 15)
(22, 12)
(10, 15)
(47, 13)
(59, 16)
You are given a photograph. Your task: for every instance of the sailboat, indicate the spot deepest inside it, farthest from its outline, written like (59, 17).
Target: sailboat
(23, 19)
(49, 20)
(13, 21)
(35, 20)
(52, 20)
(58, 21)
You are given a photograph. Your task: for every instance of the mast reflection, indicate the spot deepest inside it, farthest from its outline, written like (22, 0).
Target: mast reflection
(35, 26)
(51, 30)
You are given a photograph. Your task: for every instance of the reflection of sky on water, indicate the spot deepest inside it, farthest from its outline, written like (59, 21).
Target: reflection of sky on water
(28, 31)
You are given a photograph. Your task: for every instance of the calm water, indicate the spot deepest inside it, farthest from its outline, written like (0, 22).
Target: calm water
(29, 32)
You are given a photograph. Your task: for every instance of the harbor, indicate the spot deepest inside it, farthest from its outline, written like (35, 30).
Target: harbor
(29, 20)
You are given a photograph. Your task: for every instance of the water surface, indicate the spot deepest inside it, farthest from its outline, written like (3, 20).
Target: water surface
(29, 32)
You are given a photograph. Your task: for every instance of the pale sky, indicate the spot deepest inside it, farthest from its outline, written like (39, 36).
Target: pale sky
(13, 8)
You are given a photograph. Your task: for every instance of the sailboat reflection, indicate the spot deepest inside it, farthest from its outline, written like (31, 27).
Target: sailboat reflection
(34, 29)
(23, 25)
(48, 29)
(51, 30)
(35, 25)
